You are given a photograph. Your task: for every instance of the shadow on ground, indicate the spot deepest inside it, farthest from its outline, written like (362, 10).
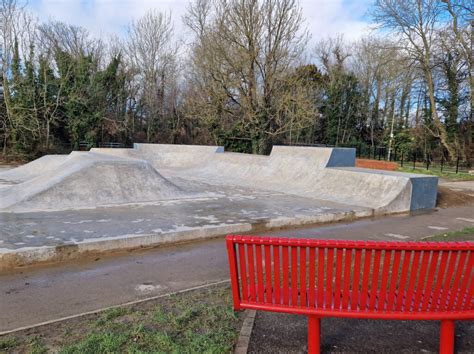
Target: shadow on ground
(283, 333)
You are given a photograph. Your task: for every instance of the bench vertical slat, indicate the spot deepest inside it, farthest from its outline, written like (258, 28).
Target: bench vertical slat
(433, 267)
(234, 278)
(268, 275)
(312, 277)
(243, 272)
(303, 277)
(470, 293)
(407, 258)
(443, 268)
(457, 278)
(338, 276)
(251, 264)
(329, 272)
(286, 290)
(420, 284)
(467, 276)
(375, 280)
(387, 259)
(394, 280)
(450, 274)
(321, 259)
(294, 276)
(356, 279)
(259, 261)
(411, 285)
(347, 278)
(276, 272)
(364, 294)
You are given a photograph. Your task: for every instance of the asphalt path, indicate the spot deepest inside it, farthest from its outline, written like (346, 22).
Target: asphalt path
(35, 295)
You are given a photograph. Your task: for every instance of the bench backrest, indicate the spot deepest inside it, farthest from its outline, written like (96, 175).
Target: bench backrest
(351, 276)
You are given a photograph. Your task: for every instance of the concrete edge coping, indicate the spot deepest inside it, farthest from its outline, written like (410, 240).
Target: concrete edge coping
(243, 342)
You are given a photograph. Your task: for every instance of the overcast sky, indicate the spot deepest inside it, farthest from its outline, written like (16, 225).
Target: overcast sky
(103, 17)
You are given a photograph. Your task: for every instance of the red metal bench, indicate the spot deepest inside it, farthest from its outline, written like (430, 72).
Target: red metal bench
(354, 279)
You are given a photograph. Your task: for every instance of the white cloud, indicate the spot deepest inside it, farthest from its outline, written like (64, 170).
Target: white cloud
(335, 17)
(103, 17)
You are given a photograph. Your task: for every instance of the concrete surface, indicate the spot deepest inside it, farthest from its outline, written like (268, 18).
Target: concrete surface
(33, 295)
(148, 172)
(28, 238)
(61, 207)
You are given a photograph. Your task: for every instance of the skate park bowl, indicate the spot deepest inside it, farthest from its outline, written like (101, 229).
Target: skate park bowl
(151, 194)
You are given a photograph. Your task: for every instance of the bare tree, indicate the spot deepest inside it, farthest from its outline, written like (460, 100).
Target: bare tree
(152, 53)
(244, 52)
(416, 21)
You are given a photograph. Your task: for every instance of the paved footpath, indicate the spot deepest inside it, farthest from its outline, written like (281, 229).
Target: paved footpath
(32, 296)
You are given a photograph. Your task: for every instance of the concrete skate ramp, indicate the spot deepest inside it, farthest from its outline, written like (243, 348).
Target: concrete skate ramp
(87, 180)
(320, 173)
(33, 168)
(146, 173)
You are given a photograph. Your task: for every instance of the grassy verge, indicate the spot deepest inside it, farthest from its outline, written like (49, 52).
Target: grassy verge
(447, 175)
(466, 234)
(200, 321)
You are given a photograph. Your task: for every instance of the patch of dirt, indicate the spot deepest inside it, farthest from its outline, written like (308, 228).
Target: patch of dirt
(449, 198)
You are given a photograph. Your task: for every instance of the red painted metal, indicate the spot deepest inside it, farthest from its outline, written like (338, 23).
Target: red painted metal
(243, 272)
(251, 263)
(294, 276)
(302, 288)
(314, 335)
(355, 279)
(268, 275)
(347, 278)
(312, 278)
(286, 290)
(446, 340)
(276, 271)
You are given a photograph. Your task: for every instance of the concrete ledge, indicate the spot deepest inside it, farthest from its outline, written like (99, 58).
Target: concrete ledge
(28, 256)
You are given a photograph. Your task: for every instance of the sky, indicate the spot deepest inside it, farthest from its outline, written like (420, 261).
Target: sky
(103, 17)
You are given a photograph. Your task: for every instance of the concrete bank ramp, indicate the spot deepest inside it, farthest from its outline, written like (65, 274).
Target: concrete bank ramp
(85, 180)
(32, 169)
(146, 174)
(319, 173)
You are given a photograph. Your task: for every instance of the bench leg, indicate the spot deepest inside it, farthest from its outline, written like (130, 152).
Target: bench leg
(446, 342)
(314, 334)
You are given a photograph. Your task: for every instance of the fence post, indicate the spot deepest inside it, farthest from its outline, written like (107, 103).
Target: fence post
(427, 161)
(414, 160)
(442, 162)
(378, 151)
(402, 160)
(457, 164)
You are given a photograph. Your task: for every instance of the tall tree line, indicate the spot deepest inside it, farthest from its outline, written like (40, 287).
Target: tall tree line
(247, 78)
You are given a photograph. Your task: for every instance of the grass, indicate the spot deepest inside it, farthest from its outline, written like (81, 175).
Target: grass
(466, 234)
(461, 176)
(200, 321)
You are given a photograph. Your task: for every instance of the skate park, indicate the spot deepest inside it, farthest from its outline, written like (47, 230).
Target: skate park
(62, 206)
